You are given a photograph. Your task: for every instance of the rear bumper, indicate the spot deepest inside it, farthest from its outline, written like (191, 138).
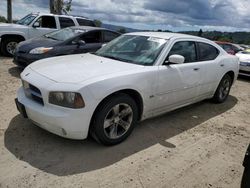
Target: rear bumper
(24, 59)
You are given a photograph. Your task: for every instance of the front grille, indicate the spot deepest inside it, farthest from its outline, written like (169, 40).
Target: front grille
(33, 92)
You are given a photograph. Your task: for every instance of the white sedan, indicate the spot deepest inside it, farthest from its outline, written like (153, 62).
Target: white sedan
(244, 57)
(132, 78)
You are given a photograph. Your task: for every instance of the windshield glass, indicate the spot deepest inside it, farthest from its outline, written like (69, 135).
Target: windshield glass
(142, 50)
(27, 19)
(65, 33)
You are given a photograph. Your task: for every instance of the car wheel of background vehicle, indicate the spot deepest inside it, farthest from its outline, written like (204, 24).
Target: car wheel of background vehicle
(114, 119)
(8, 46)
(223, 89)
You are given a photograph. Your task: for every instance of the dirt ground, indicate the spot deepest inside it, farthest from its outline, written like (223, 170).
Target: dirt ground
(201, 145)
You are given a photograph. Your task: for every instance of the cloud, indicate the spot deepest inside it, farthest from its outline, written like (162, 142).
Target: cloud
(154, 14)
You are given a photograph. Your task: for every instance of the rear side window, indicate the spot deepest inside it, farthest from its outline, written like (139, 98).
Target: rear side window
(66, 22)
(84, 22)
(108, 36)
(207, 52)
(92, 37)
(186, 49)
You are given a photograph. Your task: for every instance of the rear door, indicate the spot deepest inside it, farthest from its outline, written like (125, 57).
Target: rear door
(93, 42)
(210, 67)
(178, 84)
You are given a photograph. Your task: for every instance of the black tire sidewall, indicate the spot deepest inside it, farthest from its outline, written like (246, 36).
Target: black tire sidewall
(97, 129)
(4, 46)
(216, 97)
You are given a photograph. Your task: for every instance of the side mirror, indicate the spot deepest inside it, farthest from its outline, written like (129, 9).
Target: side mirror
(81, 43)
(176, 59)
(36, 24)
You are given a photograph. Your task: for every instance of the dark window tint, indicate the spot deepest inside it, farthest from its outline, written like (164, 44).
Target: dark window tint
(108, 36)
(227, 47)
(92, 37)
(186, 49)
(84, 22)
(47, 22)
(207, 52)
(66, 22)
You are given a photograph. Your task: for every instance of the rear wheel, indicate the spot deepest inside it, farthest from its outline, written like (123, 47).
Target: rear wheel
(114, 120)
(8, 46)
(223, 89)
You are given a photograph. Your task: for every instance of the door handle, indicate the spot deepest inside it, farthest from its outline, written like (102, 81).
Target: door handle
(222, 65)
(196, 69)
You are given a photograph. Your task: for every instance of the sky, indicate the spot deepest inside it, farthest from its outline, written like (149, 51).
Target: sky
(174, 15)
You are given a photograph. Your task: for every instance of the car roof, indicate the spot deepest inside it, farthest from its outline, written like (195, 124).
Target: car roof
(89, 28)
(61, 15)
(222, 42)
(165, 35)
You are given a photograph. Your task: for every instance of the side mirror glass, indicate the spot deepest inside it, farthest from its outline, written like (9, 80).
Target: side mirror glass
(176, 59)
(36, 24)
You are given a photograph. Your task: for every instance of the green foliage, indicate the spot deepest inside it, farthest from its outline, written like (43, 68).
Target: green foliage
(3, 19)
(98, 23)
(67, 5)
(122, 30)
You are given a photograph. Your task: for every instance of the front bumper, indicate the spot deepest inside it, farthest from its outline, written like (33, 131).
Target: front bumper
(24, 59)
(244, 68)
(68, 123)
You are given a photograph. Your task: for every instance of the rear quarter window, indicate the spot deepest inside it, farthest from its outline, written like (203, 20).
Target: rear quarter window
(207, 52)
(84, 22)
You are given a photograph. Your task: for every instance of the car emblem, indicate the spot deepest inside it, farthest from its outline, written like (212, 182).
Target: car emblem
(27, 74)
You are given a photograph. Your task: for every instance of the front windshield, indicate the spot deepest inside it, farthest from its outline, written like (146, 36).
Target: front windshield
(27, 19)
(142, 50)
(65, 33)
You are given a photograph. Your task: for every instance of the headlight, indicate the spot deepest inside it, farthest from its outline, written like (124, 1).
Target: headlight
(40, 50)
(66, 99)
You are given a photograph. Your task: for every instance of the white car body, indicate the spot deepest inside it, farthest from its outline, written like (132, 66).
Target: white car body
(244, 63)
(28, 31)
(162, 88)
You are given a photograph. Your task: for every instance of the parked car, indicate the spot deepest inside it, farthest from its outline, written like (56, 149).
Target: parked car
(245, 183)
(70, 40)
(230, 47)
(244, 57)
(134, 77)
(35, 25)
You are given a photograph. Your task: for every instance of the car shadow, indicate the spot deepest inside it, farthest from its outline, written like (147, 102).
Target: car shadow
(59, 156)
(244, 78)
(15, 71)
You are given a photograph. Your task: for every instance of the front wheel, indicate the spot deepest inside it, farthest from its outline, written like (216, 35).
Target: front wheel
(8, 46)
(223, 89)
(114, 120)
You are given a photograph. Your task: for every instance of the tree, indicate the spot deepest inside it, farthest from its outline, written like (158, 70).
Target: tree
(98, 23)
(9, 11)
(200, 33)
(122, 30)
(56, 6)
(3, 19)
(60, 6)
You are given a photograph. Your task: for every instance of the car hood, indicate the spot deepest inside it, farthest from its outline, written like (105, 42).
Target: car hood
(30, 44)
(79, 68)
(4, 26)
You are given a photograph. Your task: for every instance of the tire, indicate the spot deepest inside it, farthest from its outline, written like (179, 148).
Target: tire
(114, 120)
(223, 90)
(8, 46)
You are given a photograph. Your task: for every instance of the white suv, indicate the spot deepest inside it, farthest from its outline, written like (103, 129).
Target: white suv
(35, 25)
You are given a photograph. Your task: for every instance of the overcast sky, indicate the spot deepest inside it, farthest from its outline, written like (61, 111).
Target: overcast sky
(175, 15)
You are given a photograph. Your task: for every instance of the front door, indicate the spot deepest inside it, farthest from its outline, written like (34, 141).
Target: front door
(178, 84)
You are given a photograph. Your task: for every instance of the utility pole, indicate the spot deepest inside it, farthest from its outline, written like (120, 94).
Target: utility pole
(9, 10)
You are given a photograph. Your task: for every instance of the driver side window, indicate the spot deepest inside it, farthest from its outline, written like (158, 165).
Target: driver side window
(186, 49)
(47, 22)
